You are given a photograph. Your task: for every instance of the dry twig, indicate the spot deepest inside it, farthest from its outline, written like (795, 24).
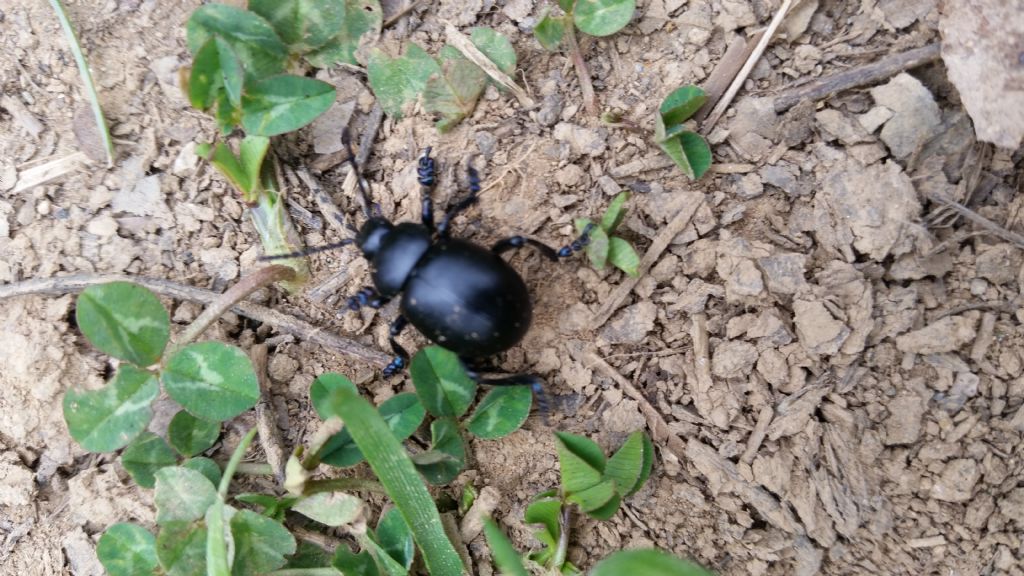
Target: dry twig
(282, 322)
(266, 418)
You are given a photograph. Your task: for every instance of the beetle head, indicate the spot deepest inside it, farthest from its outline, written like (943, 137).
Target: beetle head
(370, 235)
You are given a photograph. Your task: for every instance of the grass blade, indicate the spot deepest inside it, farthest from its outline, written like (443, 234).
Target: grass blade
(90, 88)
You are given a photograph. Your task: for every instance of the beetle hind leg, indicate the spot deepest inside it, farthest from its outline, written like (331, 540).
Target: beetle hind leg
(532, 380)
(401, 359)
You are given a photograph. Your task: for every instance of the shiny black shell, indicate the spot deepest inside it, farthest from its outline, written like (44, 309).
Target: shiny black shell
(467, 299)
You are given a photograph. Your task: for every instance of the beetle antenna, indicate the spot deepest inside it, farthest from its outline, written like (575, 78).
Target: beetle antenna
(368, 206)
(308, 251)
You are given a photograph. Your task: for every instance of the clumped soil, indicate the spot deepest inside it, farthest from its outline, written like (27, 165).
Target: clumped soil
(835, 358)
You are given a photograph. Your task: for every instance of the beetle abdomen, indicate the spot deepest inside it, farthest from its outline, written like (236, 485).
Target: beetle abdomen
(467, 299)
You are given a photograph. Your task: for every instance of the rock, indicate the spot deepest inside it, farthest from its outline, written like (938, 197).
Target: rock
(550, 110)
(733, 359)
(818, 331)
(841, 126)
(944, 335)
(144, 198)
(902, 13)
(982, 52)
(904, 423)
(591, 142)
(770, 326)
(103, 226)
(999, 264)
(282, 368)
(749, 186)
(874, 118)
(569, 176)
(631, 325)
(781, 176)
(328, 126)
(81, 554)
(772, 367)
(784, 272)
(915, 118)
(187, 160)
(517, 10)
(742, 278)
(963, 389)
(220, 263)
(17, 486)
(623, 418)
(754, 127)
(957, 481)
(798, 19)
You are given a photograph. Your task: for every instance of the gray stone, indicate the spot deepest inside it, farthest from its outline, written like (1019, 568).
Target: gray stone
(915, 118)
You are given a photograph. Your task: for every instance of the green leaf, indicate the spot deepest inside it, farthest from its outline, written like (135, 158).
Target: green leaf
(622, 255)
(127, 550)
(284, 103)
(228, 165)
(603, 17)
(397, 81)
(566, 5)
(615, 213)
(205, 78)
(502, 411)
(309, 555)
(397, 474)
(361, 27)
(204, 466)
(273, 507)
(181, 548)
(395, 538)
(182, 494)
(625, 466)
(496, 47)
(143, 457)
(228, 115)
(645, 468)
(351, 564)
(441, 383)
(550, 31)
(504, 554)
(453, 92)
(690, 152)
(330, 508)
(648, 563)
(190, 435)
(124, 320)
(546, 510)
(260, 543)
(322, 388)
(606, 511)
(385, 563)
(218, 539)
(109, 418)
(211, 380)
(232, 74)
(594, 497)
(682, 103)
(447, 454)
(302, 24)
(251, 37)
(403, 414)
(581, 460)
(597, 248)
(251, 154)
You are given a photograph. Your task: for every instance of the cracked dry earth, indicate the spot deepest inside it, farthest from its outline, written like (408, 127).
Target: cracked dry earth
(829, 357)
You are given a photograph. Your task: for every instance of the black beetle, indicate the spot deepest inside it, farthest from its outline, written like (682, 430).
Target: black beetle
(460, 295)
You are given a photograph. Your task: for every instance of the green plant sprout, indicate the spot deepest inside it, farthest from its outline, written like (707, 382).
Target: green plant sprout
(450, 84)
(686, 148)
(605, 248)
(597, 485)
(240, 73)
(593, 17)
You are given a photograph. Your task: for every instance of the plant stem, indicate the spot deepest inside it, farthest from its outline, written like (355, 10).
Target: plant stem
(563, 540)
(254, 469)
(304, 572)
(234, 463)
(247, 285)
(342, 485)
(90, 87)
(582, 72)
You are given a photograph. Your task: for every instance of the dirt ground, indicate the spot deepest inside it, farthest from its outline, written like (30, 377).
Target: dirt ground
(837, 357)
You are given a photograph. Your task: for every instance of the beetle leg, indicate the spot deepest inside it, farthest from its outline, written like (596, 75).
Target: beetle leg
(520, 241)
(308, 251)
(577, 244)
(531, 380)
(366, 297)
(401, 356)
(474, 189)
(426, 174)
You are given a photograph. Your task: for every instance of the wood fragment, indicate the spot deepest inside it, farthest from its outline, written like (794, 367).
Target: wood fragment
(75, 283)
(715, 403)
(483, 506)
(755, 55)
(50, 171)
(335, 217)
(980, 220)
(266, 418)
(463, 44)
(725, 72)
(682, 218)
(764, 418)
(985, 337)
(857, 76)
(929, 542)
(655, 162)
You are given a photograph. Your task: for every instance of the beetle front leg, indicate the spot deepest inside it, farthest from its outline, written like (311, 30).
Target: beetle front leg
(426, 175)
(366, 297)
(401, 359)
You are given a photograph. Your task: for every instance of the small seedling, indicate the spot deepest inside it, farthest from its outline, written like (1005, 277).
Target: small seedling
(593, 17)
(450, 85)
(686, 148)
(445, 391)
(240, 75)
(605, 248)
